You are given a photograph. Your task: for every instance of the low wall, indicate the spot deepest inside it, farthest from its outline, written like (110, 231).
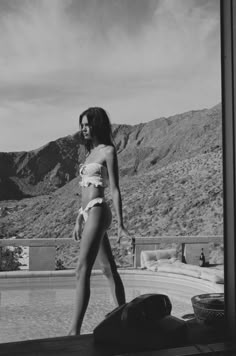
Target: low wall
(42, 252)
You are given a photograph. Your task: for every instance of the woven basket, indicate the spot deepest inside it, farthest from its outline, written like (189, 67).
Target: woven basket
(209, 308)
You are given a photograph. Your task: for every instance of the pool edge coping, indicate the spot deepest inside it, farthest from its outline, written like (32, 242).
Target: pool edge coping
(123, 272)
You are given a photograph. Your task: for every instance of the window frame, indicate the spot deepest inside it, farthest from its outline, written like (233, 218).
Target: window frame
(228, 83)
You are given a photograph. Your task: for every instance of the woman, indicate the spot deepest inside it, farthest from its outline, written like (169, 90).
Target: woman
(94, 216)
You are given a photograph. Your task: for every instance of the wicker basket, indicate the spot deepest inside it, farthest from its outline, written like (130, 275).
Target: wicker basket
(209, 308)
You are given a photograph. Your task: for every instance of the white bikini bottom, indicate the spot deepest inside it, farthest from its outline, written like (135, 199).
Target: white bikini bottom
(92, 203)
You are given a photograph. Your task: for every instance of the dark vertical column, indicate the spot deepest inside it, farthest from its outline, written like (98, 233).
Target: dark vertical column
(228, 60)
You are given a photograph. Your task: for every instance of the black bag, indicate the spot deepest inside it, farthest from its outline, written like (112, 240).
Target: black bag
(145, 310)
(142, 324)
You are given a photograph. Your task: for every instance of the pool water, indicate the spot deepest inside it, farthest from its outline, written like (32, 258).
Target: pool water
(45, 310)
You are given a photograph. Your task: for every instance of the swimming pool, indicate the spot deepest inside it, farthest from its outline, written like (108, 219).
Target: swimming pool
(41, 307)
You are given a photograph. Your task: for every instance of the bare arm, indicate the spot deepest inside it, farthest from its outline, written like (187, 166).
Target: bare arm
(112, 166)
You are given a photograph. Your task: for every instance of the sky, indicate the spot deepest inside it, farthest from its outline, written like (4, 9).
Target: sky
(139, 60)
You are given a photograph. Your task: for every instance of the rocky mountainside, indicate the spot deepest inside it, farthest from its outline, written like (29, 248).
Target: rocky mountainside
(183, 198)
(141, 148)
(41, 171)
(180, 199)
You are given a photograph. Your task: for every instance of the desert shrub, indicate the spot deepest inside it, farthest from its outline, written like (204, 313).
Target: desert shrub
(60, 264)
(9, 259)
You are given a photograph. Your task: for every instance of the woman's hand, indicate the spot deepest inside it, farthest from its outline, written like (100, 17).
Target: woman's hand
(77, 232)
(122, 233)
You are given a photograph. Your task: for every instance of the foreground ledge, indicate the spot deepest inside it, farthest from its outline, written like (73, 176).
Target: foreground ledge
(84, 346)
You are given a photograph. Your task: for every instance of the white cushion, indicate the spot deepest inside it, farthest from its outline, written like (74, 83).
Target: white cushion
(156, 255)
(168, 253)
(162, 261)
(147, 256)
(166, 261)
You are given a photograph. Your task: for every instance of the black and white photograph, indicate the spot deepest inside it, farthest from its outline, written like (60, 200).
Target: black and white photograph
(113, 175)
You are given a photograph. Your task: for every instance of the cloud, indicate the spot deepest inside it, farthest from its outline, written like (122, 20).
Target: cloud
(42, 41)
(60, 56)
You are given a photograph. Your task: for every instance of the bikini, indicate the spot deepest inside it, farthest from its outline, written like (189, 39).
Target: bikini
(96, 174)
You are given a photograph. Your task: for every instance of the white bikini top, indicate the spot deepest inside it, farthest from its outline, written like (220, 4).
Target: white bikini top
(94, 173)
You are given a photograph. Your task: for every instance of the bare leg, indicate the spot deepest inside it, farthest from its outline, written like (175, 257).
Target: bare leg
(109, 269)
(98, 221)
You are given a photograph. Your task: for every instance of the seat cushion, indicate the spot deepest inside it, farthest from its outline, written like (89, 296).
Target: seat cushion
(155, 255)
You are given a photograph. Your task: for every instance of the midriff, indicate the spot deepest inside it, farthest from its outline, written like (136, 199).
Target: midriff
(91, 192)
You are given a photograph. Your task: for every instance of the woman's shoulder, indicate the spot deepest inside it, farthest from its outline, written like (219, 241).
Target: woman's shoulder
(109, 151)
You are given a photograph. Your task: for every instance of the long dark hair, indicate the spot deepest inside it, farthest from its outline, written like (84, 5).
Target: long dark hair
(100, 125)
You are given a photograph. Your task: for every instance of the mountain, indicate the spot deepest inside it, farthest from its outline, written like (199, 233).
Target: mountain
(171, 182)
(41, 171)
(141, 148)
